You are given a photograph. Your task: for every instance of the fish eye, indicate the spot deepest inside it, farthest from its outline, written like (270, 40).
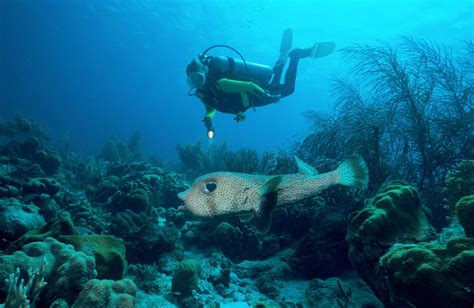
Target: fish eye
(210, 187)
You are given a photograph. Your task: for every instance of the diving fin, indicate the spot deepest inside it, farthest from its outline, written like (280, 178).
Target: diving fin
(269, 199)
(285, 45)
(322, 49)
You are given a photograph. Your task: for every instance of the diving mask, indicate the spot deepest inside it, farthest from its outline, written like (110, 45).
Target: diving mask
(196, 80)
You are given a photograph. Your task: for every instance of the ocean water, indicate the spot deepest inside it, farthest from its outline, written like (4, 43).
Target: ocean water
(106, 80)
(95, 69)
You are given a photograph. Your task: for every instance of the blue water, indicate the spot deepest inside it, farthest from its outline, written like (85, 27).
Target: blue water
(95, 69)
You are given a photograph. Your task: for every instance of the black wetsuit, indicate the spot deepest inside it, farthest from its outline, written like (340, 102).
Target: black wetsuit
(213, 96)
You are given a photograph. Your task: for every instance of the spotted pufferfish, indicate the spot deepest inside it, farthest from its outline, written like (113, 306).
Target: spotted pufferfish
(256, 196)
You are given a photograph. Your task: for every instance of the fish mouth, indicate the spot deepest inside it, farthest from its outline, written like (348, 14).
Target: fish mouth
(182, 195)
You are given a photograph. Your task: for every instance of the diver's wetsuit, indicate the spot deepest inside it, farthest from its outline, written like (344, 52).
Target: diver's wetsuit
(236, 96)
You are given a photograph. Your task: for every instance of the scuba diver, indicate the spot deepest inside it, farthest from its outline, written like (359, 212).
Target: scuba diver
(233, 85)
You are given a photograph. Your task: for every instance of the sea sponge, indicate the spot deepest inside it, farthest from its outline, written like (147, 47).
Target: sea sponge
(432, 275)
(107, 293)
(186, 276)
(393, 214)
(108, 251)
(465, 213)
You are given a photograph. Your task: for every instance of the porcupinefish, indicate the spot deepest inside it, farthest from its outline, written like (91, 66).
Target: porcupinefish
(256, 196)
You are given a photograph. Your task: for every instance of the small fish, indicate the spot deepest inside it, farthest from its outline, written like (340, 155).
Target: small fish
(256, 196)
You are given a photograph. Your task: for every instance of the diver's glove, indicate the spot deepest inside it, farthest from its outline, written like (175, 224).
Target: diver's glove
(208, 123)
(239, 117)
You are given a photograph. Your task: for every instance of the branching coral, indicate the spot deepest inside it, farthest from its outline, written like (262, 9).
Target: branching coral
(25, 295)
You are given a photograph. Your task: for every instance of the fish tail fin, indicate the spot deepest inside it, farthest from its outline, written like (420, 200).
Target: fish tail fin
(353, 172)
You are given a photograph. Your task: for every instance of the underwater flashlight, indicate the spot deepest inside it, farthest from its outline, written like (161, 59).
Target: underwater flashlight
(210, 134)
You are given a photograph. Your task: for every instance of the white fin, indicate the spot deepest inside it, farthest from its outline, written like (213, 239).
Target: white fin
(305, 168)
(285, 46)
(322, 49)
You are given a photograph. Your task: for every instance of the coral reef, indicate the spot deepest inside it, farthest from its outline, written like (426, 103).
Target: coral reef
(108, 252)
(185, 278)
(432, 275)
(107, 293)
(465, 213)
(115, 216)
(459, 183)
(17, 218)
(67, 270)
(394, 214)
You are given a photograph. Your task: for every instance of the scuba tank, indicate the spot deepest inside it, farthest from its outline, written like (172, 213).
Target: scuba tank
(237, 69)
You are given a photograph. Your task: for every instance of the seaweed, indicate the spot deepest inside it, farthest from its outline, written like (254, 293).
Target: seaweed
(407, 109)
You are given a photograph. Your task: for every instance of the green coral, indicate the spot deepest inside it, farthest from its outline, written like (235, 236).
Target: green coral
(465, 213)
(108, 251)
(54, 228)
(433, 275)
(393, 214)
(186, 276)
(459, 183)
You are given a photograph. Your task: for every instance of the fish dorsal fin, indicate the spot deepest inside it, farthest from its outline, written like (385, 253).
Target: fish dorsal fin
(269, 199)
(305, 168)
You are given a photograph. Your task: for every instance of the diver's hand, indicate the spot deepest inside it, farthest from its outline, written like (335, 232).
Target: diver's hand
(267, 96)
(239, 117)
(208, 123)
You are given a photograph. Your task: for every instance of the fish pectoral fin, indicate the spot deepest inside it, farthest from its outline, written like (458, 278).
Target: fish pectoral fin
(269, 199)
(305, 168)
(271, 186)
(246, 217)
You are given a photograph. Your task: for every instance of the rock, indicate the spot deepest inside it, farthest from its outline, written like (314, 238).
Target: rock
(54, 228)
(17, 218)
(186, 276)
(48, 160)
(107, 293)
(227, 238)
(41, 186)
(266, 274)
(335, 292)
(322, 251)
(144, 239)
(175, 216)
